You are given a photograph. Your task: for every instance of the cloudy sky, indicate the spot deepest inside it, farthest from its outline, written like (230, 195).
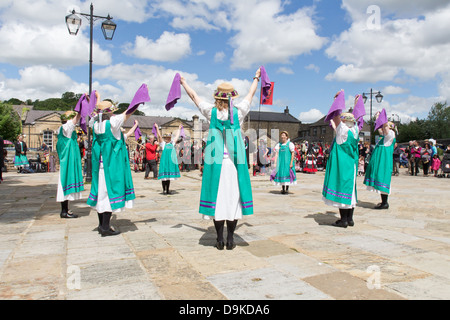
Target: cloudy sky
(310, 48)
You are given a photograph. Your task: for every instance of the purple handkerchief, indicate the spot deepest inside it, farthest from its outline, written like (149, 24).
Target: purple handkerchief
(154, 131)
(92, 102)
(359, 112)
(182, 134)
(382, 119)
(337, 107)
(175, 92)
(265, 84)
(137, 133)
(82, 108)
(140, 97)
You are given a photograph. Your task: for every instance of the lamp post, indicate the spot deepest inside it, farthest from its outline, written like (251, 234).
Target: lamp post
(379, 98)
(73, 22)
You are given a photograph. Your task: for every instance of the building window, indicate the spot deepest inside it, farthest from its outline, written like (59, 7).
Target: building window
(324, 130)
(314, 132)
(48, 139)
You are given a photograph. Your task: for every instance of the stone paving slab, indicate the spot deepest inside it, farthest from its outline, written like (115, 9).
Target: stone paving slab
(287, 250)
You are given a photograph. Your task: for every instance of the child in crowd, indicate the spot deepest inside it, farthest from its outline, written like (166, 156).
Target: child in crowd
(361, 166)
(435, 164)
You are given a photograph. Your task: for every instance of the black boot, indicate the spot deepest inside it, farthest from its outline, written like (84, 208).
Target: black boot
(342, 223)
(219, 230)
(283, 189)
(167, 186)
(164, 186)
(100, 221)
(105, 229)
(350, 221)
(287, 189)
(231, 227)
(65, 214)
(384, 202)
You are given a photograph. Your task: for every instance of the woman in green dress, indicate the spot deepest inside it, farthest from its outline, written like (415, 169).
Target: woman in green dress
(168, 165)
(20, 160)
(284, 173)
(339, 186)
(379, 171)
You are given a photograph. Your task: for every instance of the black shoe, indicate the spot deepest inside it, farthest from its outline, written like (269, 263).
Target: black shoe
(341, 224)
(220, 245)
(231, 246)
(351, 223)
(382, 206)
(110, 232)
(66, 215)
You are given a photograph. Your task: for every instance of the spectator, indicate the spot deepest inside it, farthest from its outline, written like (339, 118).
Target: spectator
(150, 157)
(425, 155)
(416, 151)
(396, 156)
(435, 164)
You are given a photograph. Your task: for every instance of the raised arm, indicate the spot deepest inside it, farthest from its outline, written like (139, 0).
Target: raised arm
(177, 136)
(190, 92)
(159, 137)
(131, 131)
(254, 86)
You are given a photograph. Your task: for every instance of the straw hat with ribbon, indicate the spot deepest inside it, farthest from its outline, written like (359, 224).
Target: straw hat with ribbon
(68, 115)
(225, 91)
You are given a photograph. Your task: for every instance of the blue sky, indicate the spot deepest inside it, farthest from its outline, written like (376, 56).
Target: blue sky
(311, 49)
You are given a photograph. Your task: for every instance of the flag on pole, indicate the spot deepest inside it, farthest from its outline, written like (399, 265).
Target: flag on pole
(268, 99)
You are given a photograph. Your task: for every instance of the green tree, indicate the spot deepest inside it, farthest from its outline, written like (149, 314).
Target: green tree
(10, 122)
(439, 121)
(124, 106)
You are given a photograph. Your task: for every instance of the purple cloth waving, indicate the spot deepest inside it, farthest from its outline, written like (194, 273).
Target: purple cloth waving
(381, 120)
(175, 92)
(137, 133)
(265, 84)
(273, 174)
(292, 175)
(140, 97)
(337, 107)
(155, 131)
(82, 108)
(92, 102)
(359, 111)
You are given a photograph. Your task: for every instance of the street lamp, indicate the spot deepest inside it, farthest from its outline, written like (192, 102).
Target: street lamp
(73, 22)
(379, 98)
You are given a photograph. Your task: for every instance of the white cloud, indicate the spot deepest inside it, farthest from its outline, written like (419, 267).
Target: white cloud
(285, 70)
(169, 47)
(219, 57)
(313, 67)
(391, 90)
(414, 46)
(310, 116)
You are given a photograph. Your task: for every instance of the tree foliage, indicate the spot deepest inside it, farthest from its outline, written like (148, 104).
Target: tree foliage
(436, 125)
(10, 122)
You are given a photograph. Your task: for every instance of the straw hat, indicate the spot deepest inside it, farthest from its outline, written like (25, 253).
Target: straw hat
(348, 117)
(225, 91)
(68, 115)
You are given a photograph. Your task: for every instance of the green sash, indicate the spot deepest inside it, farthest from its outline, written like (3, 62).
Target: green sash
(214, 152)
(69, 163)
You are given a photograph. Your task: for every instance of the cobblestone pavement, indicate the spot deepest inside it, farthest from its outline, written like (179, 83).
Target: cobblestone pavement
(287, 250)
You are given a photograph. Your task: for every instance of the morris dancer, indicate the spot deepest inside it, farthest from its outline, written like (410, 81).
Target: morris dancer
(70, 182)
(379, 171)
(168, 165)
(112, 187)
(226, 189)
(284, 173)
(339, 187)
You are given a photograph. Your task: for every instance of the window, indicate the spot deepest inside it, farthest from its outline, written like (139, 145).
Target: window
(314, 132)
(48, 139)
(324, 130)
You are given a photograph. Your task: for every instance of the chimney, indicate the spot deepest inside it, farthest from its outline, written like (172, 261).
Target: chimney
(286, 111)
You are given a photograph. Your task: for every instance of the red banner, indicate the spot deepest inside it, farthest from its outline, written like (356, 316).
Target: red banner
(269, 98)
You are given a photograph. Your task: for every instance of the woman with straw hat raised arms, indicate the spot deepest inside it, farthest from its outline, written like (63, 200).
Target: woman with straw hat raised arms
(226, 190)
(112, 187)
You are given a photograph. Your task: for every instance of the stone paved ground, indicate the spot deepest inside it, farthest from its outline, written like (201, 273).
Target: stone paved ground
(287, 250)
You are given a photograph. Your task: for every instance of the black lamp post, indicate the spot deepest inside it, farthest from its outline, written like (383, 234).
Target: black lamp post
(379, 98)
(73, 22)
